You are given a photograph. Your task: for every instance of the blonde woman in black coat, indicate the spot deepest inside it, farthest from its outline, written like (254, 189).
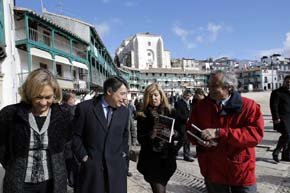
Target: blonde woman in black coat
(33, 134)
(157, 160)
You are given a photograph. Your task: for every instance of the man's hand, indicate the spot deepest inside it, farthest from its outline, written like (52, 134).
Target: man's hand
(277, 121)
(210, 143)
(85, 158)
(209, 134)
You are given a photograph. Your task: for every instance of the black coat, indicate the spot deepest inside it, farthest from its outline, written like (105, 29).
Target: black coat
(106, 147)
(156, 167)
(14, 145)
(181, 113)
(280, 106)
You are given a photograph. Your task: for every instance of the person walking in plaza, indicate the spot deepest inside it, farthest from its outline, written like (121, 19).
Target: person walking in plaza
(132, 132)
(72, 166)
(199, 95)
(231, 126)
(157, 160)
(182, 109)
(100, 140)
(280, 110)
(33, 134)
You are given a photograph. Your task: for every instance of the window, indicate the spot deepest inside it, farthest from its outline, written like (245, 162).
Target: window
(75, 74)
(43, 66)
(81, 74)
(265, 80)
(58, 70)
(46, 37)
(33, 34)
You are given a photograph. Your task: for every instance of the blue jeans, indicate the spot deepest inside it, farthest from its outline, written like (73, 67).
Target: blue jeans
(221, 188)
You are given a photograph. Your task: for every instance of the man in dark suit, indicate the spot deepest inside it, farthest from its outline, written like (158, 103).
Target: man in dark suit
(182, 108)
(280, 109)
(100, 139)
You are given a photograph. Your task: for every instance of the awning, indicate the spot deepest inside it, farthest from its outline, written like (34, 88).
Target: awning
(62, 60)
(80, 65)
(40, 53)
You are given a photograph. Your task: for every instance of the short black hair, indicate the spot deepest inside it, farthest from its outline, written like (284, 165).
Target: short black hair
(187, 91)
(66, 95)
(199, 91)
(114, 82)
(286, 77)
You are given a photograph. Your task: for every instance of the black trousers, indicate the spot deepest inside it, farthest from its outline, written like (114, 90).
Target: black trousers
(283, 142)
(41, 187)
(186, 144)
(72, 168)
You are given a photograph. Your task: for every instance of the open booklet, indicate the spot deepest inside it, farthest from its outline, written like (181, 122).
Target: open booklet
(197, 136)
(165, 128)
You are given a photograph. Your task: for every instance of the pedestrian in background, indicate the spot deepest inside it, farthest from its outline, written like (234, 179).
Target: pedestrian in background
(132, 132)
(72, 166)
(231, 126)
(33, 134)
(280, 110)
(100, 139)
(182, 109)
(199, 95)
(157, 160)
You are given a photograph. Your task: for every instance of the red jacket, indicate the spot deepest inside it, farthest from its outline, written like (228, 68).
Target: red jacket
(232, 161)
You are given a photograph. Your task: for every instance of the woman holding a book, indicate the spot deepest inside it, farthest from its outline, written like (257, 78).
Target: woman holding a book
(157, 160)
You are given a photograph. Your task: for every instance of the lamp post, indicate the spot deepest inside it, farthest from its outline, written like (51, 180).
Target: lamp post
(272, 76)
(272, 68)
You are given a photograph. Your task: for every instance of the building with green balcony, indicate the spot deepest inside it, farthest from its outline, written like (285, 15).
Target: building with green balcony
(41, 43)
(2, 32)
(100, 63)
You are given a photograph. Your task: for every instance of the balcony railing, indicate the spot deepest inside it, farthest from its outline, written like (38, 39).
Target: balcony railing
(45, 38)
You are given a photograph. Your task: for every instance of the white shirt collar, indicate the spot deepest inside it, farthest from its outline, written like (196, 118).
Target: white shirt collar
(224, 102)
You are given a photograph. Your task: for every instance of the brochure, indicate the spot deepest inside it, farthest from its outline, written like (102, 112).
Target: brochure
(165, 128)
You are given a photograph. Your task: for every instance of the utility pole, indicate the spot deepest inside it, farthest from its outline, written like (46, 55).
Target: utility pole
(272, 76)
(272, 68)
(42, 7)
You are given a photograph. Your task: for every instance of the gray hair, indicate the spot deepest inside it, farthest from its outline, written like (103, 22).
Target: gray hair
(229, 79)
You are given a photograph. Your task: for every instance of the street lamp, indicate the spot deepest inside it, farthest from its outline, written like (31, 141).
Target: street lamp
(272, 68)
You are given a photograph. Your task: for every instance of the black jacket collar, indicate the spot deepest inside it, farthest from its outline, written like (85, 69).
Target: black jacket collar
(233, 105)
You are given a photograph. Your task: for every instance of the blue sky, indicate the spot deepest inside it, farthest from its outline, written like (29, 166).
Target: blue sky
(242, 29)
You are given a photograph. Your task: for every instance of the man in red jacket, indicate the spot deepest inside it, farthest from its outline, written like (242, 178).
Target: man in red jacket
(231, 126)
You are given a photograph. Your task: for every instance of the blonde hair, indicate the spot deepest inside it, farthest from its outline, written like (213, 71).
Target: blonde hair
(149, 90)
(35, 83)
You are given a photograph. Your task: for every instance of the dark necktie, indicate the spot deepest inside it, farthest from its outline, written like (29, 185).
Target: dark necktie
(109, 115)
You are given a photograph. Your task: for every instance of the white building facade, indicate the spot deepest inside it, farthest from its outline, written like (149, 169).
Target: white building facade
(10, 64)
(143, 51)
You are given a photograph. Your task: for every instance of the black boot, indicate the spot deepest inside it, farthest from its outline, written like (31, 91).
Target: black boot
(275, 156)
(188, 159)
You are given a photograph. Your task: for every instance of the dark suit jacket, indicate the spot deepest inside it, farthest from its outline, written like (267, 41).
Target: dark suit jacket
(182, 113)
(280, 107)
(106, 147)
